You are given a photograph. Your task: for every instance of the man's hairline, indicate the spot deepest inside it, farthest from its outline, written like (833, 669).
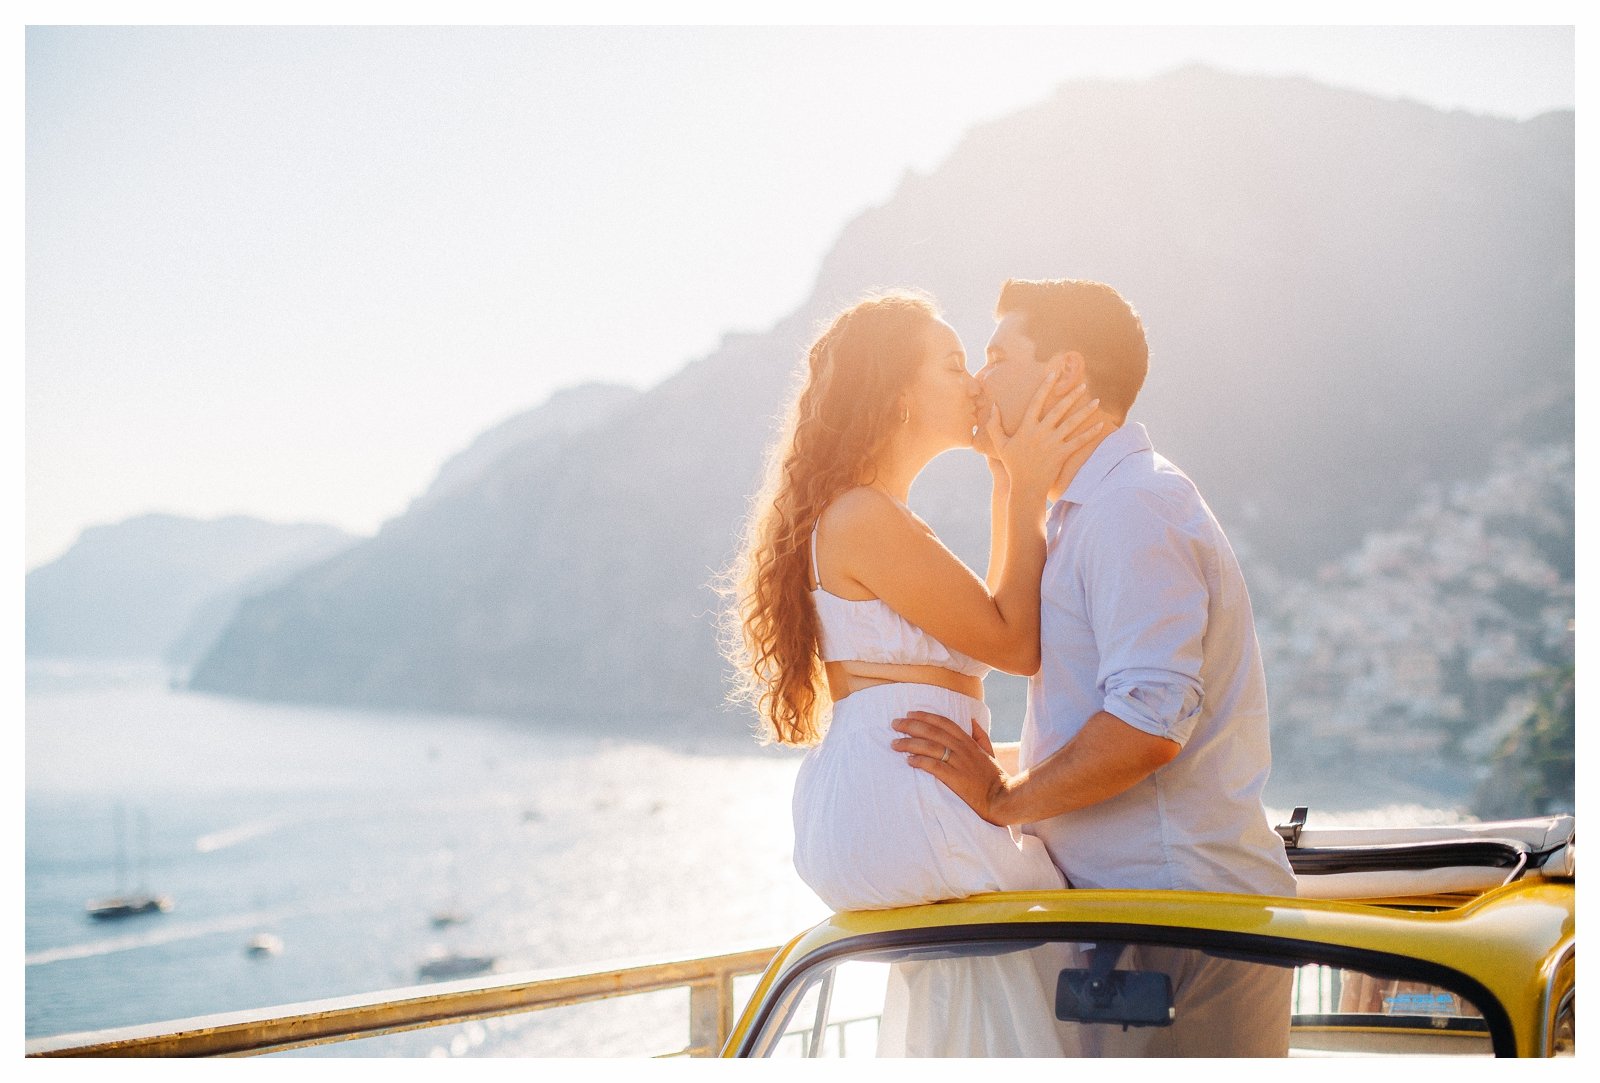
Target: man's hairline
(1022, 312)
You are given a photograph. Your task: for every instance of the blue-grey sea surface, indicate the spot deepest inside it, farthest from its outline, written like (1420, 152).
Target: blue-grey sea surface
(342, 833)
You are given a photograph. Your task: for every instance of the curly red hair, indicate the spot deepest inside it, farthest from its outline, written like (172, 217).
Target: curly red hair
(836, 425)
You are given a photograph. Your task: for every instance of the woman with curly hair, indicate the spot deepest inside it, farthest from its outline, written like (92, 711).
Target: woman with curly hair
(851, 613)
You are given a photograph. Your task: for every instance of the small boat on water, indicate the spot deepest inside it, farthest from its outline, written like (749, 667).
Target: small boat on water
(128, 904)
(454, 965)
(450, 912)
(263, 944)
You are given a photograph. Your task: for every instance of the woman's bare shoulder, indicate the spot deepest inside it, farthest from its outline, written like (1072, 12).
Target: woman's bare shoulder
(865, 510)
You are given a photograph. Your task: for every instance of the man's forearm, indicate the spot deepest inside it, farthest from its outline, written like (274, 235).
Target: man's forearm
(1107, 757)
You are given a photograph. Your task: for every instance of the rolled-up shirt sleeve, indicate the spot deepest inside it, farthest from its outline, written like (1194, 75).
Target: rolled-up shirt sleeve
(1148, 601)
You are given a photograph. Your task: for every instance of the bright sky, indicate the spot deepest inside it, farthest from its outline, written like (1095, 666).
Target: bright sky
(287, 272)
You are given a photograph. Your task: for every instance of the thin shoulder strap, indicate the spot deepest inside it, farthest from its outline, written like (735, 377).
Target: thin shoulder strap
(816, 576)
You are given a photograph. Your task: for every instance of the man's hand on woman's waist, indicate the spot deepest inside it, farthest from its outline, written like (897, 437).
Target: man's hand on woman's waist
(1107, 757)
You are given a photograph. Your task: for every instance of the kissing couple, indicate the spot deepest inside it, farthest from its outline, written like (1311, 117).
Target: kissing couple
(1110, 585)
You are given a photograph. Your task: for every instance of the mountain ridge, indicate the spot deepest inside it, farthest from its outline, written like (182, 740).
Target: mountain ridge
(160, 585)
(1323, 346)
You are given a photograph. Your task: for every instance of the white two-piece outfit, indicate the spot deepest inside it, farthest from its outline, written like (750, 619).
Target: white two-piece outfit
(873, 832)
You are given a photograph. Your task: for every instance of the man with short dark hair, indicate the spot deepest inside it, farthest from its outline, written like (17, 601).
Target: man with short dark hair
(1145, 749)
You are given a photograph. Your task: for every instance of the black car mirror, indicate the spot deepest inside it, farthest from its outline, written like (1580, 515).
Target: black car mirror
(1133, 998)
(1099, 994)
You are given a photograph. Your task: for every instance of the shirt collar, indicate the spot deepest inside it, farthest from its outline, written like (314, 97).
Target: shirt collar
(1129, 439)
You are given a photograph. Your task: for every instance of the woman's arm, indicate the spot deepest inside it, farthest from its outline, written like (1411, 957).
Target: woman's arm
(999, 495)
(895, 557)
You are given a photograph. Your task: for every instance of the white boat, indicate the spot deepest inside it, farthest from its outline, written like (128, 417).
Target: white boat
(264, 944)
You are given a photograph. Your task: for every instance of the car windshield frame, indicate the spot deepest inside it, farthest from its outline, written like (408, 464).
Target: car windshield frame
(1254, 947)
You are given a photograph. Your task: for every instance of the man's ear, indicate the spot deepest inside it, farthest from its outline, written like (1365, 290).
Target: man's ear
(1072, 367)
(1070, 370)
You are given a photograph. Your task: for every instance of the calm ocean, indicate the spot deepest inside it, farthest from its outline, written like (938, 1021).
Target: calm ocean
(342, 832)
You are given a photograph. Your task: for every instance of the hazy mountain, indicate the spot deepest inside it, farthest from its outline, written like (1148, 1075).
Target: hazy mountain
(532, 433)
(153, 585)
(1347, 298)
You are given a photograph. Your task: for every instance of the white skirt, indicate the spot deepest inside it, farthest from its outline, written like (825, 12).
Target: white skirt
(871, 832)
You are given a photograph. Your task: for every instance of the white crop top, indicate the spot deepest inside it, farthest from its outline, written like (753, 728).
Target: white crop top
(867, 630)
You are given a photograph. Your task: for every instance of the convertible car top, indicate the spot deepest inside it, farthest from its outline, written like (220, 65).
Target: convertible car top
(1446, 940)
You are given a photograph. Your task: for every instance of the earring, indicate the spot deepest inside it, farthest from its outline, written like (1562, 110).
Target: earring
(905, 415)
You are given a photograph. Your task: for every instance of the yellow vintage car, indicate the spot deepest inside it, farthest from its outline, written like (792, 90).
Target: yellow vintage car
(1428, 941)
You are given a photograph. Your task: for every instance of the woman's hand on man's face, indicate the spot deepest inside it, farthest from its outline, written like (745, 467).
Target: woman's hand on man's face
(1054, 427)
(983, 442)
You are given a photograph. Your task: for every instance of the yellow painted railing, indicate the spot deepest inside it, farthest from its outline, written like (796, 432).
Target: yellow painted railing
(294, 1026)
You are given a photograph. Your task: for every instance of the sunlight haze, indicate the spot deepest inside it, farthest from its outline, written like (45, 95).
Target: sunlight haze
(288, 272)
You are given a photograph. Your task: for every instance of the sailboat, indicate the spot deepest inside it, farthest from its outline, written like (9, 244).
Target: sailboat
(140, 901)
(451, 913)
(441, 963)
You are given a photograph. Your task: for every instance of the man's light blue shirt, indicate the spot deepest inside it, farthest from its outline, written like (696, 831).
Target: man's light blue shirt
(1144, 614)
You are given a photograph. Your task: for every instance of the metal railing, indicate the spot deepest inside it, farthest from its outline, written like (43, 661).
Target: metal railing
(813, 1043)
(295, 1026)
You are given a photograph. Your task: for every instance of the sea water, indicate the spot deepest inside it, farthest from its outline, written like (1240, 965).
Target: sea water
(343, 832)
